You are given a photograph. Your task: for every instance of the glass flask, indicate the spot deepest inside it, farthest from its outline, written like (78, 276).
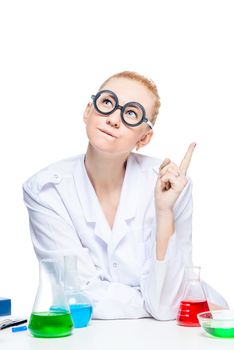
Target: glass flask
(79, 303)
(50, 317)
(193, 300)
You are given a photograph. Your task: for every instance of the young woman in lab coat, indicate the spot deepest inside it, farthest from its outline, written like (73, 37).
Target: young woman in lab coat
(127, 216)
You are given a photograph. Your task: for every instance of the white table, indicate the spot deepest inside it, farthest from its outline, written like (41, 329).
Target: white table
(120, 335)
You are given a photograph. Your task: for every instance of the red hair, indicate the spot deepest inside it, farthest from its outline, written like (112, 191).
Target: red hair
(148, 83)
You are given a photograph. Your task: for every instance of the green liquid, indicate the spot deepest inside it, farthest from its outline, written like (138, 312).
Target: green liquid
(50, 324)
(220, 332)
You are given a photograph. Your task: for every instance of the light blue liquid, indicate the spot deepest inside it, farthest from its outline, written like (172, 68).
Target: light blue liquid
(81, 314)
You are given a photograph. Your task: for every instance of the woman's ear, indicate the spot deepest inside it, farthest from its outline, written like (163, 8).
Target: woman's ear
(144, 140)
(86, 112)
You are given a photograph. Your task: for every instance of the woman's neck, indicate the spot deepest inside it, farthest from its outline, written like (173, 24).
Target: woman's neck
(105, 171)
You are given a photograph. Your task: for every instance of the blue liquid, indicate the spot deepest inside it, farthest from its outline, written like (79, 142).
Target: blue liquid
(81, 314)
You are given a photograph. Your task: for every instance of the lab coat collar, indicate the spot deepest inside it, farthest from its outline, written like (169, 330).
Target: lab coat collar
(127, 205)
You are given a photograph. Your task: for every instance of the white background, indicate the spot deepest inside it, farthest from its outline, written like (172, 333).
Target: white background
(55, 54)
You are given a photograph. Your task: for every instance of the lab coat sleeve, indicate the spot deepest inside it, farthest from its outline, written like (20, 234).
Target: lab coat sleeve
(162, 281)
(54, 236)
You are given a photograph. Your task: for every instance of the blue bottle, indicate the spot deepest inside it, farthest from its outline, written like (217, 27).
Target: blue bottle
(79, 303)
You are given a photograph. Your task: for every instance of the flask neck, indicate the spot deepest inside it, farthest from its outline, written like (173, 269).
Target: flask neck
(71, 273)
(49, 272)
(192, 273)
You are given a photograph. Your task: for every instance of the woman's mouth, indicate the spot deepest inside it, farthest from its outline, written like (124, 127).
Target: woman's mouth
(107, 133)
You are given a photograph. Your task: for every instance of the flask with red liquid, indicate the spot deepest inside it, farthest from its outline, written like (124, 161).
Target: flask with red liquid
(193, 300)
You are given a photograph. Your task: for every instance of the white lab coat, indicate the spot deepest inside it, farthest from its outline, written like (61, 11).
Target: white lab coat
(117, 267)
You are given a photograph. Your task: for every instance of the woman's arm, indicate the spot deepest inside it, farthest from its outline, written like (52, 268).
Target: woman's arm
(165, 229)
(163, 283)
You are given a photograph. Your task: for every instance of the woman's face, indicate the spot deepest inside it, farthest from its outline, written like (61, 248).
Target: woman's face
(108, 133)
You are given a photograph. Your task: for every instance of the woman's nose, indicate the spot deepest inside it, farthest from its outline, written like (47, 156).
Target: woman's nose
(114, 119)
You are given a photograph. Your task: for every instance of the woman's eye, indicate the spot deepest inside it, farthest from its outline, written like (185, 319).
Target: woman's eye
(131, 114)
(107, 102)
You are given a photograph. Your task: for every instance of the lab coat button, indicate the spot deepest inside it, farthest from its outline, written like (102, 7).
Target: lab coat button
(115, 265)
(56, 178)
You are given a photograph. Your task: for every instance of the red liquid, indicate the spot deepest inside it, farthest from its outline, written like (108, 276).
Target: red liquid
(188, 310)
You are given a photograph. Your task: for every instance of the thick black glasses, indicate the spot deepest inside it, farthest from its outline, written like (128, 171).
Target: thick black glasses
(132, 113)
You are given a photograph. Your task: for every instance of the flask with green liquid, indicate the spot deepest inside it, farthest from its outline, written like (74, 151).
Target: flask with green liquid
(50, 317)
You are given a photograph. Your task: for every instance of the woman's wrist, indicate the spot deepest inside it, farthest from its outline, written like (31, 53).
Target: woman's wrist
(163, 214)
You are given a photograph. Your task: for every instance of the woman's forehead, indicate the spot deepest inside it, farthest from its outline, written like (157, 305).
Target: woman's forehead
(129, 90)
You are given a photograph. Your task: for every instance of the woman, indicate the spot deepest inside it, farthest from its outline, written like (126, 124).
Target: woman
(127, 216)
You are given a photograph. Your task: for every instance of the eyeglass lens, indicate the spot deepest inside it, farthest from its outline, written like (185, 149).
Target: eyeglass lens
(132, 113)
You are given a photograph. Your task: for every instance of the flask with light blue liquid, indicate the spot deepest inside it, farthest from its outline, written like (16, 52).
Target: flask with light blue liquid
(79, 303)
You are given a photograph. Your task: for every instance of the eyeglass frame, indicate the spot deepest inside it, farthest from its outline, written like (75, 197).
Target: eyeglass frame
(144, 119)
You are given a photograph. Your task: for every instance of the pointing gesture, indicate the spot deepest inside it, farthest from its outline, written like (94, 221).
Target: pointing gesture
(187, 159)
(172, 180)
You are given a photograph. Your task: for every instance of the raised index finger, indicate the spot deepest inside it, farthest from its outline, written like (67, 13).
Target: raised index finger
(187, 158)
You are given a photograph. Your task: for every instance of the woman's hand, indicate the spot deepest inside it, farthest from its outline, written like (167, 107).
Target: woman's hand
(171, 181)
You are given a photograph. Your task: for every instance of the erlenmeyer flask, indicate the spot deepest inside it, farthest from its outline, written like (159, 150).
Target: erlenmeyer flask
(50, 317)
(193, 300)
(78, 301)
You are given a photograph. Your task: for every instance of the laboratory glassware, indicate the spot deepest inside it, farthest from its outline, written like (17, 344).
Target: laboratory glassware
(193, 299)
(50, 317)
(79, 303)
(219, 323)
